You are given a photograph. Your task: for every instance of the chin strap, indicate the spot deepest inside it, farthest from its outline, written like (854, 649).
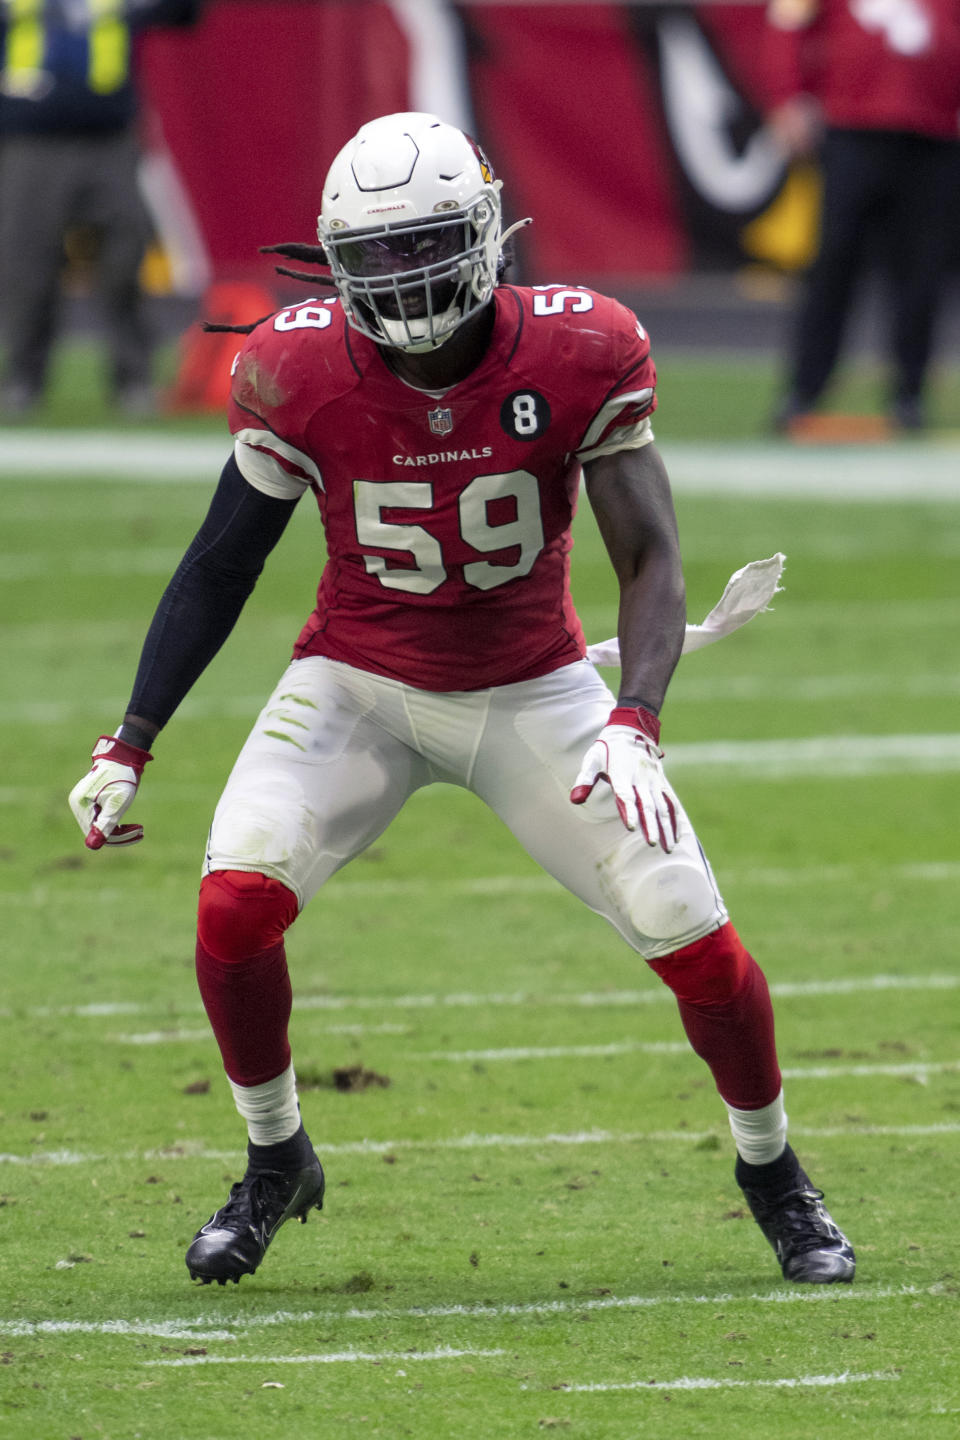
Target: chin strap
(512, 230)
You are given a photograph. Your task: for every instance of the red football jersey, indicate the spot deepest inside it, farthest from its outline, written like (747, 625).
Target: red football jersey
(447, 515)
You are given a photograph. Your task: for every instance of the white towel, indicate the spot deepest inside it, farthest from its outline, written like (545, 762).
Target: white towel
(747, 592)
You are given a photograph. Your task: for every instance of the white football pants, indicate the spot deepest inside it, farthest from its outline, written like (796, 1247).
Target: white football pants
(336, 752)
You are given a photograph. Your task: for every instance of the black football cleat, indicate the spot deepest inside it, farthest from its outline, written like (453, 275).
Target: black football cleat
(810, 1246)
(234, 1240)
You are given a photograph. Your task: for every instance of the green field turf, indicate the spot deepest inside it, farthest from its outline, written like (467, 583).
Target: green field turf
(531, 1224)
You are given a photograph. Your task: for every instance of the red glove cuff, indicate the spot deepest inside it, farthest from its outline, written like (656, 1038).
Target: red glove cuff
(638, 718)
(122, 753)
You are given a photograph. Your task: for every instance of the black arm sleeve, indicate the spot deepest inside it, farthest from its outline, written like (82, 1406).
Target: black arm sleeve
(203, 601)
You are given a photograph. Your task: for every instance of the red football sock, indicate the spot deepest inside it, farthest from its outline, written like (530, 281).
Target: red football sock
(727, 1015)
(242, 971)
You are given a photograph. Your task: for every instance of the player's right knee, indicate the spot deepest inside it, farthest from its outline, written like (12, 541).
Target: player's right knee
(242, 913)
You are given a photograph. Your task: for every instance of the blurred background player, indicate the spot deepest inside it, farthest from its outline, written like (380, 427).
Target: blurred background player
(69, 154)
(873, 88)
(443, 420)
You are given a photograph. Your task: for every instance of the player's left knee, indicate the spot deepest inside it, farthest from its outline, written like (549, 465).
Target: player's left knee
(242, 914)
(711, 971)
(671, 898)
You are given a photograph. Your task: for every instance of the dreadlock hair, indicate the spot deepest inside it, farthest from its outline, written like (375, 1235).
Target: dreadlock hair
(312, 254)
(315, 255)
(214, 327)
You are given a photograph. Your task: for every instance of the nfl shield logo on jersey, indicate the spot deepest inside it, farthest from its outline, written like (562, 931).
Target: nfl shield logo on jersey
(441, 421)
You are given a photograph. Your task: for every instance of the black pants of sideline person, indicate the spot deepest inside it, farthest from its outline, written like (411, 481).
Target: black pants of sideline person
(49, 183)
(889, 199)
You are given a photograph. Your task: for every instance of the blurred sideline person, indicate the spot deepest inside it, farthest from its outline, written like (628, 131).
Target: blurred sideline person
(69, 153)
(440, 419)
(874, 90)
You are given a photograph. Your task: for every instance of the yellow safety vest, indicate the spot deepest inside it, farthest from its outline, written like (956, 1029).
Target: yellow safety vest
(108, 45)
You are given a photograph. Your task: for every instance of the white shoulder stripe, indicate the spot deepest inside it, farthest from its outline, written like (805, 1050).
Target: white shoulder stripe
(624, 437)
(274, 467)
(609, 412)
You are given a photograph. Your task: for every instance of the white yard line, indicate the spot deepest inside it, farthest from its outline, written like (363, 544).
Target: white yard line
(873, 474)
(817, 757)
(918, 1069)
(868, 474)
(704, 1382)
(137, 458)
(176, 1036)
(232, 1325)
(590, 999)
(400, 1357)
(332, 1357)
(559, 1052)
(856, 1072)
(162, 1037)
(864, 985)
(339, 889)
(933, 871)
(821, 755)
(687, 686)
(573, 1139)
(160, 1329)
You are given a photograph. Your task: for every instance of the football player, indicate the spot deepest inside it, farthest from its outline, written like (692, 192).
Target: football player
(442, 420)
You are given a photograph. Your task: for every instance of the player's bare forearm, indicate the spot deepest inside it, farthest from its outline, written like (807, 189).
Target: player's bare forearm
(650, 628)
(630, 496)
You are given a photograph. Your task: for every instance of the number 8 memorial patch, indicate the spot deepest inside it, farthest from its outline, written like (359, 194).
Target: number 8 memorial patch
(525, 415)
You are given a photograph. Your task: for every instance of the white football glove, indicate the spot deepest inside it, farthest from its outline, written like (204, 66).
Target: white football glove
(627, 755)
(106, 792)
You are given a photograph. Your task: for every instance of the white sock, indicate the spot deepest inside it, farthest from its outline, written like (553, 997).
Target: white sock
(760, 1135)
(271, 1110)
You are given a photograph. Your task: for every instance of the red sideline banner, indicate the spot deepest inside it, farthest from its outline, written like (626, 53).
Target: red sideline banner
(632, 133)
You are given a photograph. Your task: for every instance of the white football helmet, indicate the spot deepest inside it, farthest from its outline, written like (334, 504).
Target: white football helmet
(410, 222)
